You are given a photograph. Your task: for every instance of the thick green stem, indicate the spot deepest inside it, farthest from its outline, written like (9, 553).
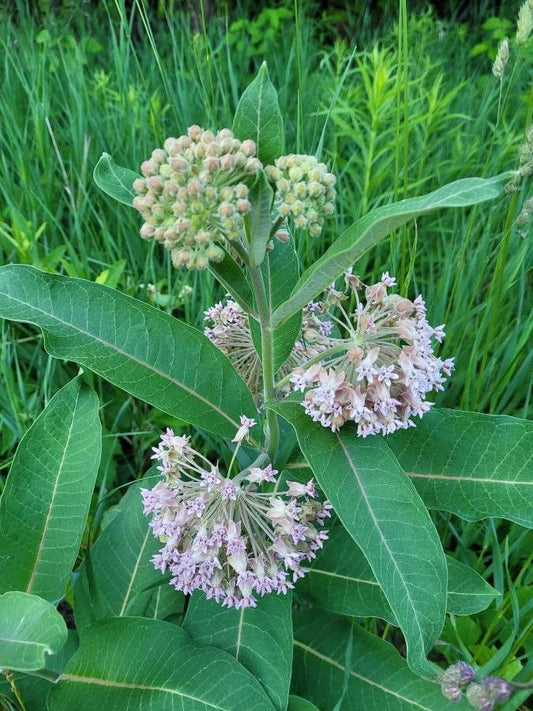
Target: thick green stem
(267, 358)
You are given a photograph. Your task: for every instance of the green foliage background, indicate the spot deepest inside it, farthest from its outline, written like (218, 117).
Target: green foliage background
(416, 107)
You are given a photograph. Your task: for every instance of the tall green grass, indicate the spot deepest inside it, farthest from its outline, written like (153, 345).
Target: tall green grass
(402, 111)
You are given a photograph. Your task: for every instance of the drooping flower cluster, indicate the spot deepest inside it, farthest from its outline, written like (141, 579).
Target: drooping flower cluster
(229, 330)
(192, 197)
(379, 373)
(304, 191)
(483, 696)
(224, 536)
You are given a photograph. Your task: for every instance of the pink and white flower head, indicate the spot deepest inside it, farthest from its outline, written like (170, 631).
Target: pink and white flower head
(379, 372)
(225, 536)
(229, 331)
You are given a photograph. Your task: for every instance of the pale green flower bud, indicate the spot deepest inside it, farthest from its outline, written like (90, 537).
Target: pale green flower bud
(194, 132)
(159, 156)
(241, 191)
(149, 167)
(140, 187)
(248, 147)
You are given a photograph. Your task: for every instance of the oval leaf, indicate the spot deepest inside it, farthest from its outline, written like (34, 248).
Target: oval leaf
(142, 350)
(148, 664)
(260, 638)
(117, 578)
(30, 628)
(115, 181)
(331, 656)
(47, 495)
(380, 509)
(258, 117)
(340, 580)
(370, 229)
(475, 466)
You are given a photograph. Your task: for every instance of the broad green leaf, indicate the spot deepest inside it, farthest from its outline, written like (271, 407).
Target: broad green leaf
(331, 653)
(370, 229)
(117, 578)
(30, 628)
(381, 510)
(258, 117)
(143, 664)
(115, 181)
(475, 466)
(341, 580)
(260, 638)
(142, 350)
(47, 494)
(296, 703)
(260, 221)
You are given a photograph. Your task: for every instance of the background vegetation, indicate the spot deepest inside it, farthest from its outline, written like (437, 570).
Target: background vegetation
(398, 101)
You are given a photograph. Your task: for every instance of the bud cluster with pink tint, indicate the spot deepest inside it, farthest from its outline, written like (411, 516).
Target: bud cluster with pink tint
(225, 536)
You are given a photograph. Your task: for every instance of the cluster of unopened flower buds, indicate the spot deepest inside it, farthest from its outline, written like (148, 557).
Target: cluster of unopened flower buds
(225, 536)
(483, 696)
(305, 191)
(378, 371)
(193, 196)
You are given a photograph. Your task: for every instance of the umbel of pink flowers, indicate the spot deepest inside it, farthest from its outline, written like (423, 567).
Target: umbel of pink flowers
(225, 536)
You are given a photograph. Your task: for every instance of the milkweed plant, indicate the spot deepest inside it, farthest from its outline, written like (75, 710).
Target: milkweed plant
(268, 554)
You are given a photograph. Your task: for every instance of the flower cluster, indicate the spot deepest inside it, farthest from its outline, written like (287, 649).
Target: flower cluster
(224, 536)
(380, 371)
(484, 695)
(304, 191)
(192, 197)
(229, 330)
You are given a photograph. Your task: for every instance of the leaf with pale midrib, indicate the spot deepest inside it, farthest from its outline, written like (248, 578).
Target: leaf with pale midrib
(259, 638)
(370, 229)
(378, 677)
(48, 491)
(341, 580)
(142, 350)
(117, 577)
(258, 117)
(381, 510)
(475, 466)
(141, 664)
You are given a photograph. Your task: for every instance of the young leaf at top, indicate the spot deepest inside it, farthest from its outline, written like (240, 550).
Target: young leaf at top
(117, 577)
(475, 466)
(115, 181)
(260, 221)
(141, 664)
(46, 498)
(258, 117)
(332, 653)
(30, 628)
(259, 637)
(370, 229)
(142, 350)
(280, 273)
(381, 510)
